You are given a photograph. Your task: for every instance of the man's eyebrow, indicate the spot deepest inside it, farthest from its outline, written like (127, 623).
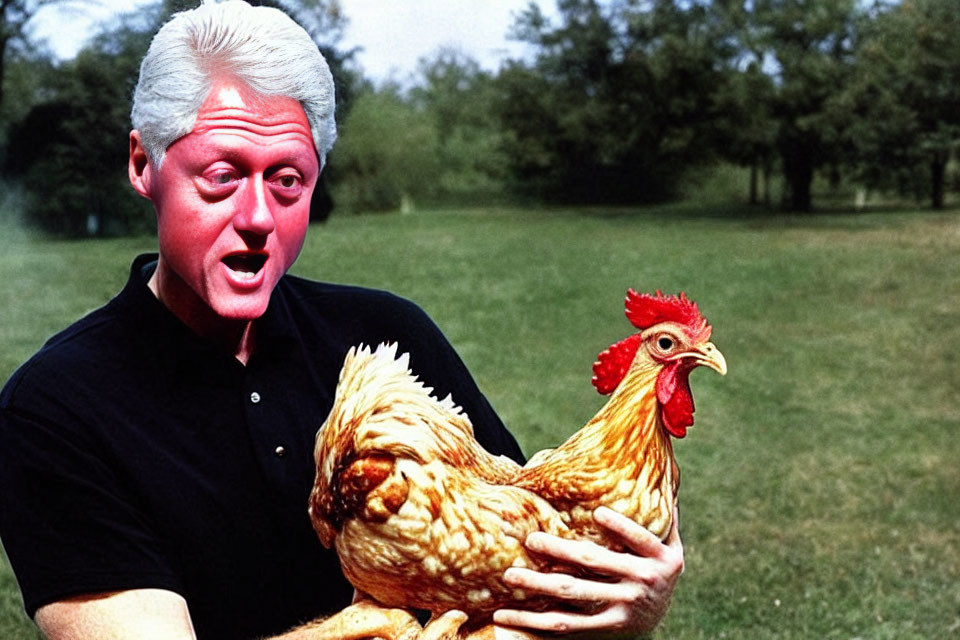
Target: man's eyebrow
(213, 152)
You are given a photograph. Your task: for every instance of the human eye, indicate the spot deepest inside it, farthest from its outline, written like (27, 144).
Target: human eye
(218, 181)
(287, 183)
(220, 178)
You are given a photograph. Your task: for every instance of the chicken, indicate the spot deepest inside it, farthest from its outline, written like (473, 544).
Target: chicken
(422, 517)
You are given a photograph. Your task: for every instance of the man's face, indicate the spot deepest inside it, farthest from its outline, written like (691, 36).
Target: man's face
(233, 203)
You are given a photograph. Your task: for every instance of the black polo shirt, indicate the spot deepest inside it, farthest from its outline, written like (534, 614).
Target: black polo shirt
(134, 454)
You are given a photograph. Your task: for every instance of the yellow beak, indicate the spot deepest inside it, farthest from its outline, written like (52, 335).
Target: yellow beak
(710, 356)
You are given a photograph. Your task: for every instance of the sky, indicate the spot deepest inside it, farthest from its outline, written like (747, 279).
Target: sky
(393, 34)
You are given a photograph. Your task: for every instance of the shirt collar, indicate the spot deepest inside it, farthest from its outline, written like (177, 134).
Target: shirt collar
(183, 349)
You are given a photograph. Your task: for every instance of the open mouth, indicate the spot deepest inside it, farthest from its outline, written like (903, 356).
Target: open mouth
(245, 265)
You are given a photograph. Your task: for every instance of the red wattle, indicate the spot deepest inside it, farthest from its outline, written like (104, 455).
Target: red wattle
(613, 363)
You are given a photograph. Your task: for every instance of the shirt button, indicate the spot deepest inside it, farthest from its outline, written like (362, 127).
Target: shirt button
(254, 397)
(279, 452)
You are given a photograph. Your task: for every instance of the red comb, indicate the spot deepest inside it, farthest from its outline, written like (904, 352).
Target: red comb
(645, 310)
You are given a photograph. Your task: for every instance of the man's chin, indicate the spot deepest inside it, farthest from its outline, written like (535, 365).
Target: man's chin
(244, 310)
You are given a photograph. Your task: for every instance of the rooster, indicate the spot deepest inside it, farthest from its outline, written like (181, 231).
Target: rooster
(422, 517)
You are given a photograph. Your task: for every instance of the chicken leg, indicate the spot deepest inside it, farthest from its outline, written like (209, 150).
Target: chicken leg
(366, 619)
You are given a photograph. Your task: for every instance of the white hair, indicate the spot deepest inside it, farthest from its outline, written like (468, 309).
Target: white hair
(259, 46)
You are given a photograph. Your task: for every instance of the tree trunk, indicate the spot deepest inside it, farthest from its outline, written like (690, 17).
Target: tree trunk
(3, 54)
(798, 152)
(798, 172)
(800, 199)
(938, 169)
(767, 172)
(754, 170)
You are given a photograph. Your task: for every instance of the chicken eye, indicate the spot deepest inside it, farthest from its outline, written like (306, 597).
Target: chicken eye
(665, 343)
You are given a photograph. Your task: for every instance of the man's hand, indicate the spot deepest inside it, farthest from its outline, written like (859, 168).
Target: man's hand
(634, 601)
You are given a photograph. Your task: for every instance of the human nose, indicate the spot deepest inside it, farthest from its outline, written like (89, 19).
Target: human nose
(254, 214)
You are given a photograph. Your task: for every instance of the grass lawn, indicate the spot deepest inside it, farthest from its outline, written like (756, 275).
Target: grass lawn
(821, 486)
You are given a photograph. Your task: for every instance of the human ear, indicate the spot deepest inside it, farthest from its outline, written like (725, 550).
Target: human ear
(138, 167)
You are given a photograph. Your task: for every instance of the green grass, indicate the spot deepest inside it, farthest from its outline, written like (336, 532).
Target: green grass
(821, 485)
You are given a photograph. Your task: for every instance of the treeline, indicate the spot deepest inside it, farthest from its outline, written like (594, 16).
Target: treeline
(620, 103)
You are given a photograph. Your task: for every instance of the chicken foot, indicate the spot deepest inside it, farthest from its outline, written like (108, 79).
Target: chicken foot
(444, 627)
(448, 627)
(366, 619)
(496, 632)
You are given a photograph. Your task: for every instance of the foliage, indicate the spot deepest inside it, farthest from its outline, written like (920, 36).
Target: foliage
(437, 142)
(385, 157)
(26, 77)
(748, 128)
(806, 47)
(618, 101)
(882, 131)
(15, 16)
(460, 101)
(70, 149)
(907, 124)
(818, 497)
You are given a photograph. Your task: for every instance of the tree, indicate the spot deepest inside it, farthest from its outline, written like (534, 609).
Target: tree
(908, 93)
(459, 100)
(14, 18)
(746, 127)
(71, 151)
(620, 100)
(386, 155)
(807, 47)
(749, 127)
(27, 76)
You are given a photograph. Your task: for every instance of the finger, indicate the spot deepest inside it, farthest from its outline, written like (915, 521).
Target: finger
(634, 536)
(564, 586)
(655, 560)
(506, 633)
(582, 553)
(562, 621)
(673, 538)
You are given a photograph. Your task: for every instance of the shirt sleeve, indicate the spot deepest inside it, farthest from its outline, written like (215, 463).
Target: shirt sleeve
(67, 526)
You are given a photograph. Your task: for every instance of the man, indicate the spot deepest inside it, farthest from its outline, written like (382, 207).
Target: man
(155, 456)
